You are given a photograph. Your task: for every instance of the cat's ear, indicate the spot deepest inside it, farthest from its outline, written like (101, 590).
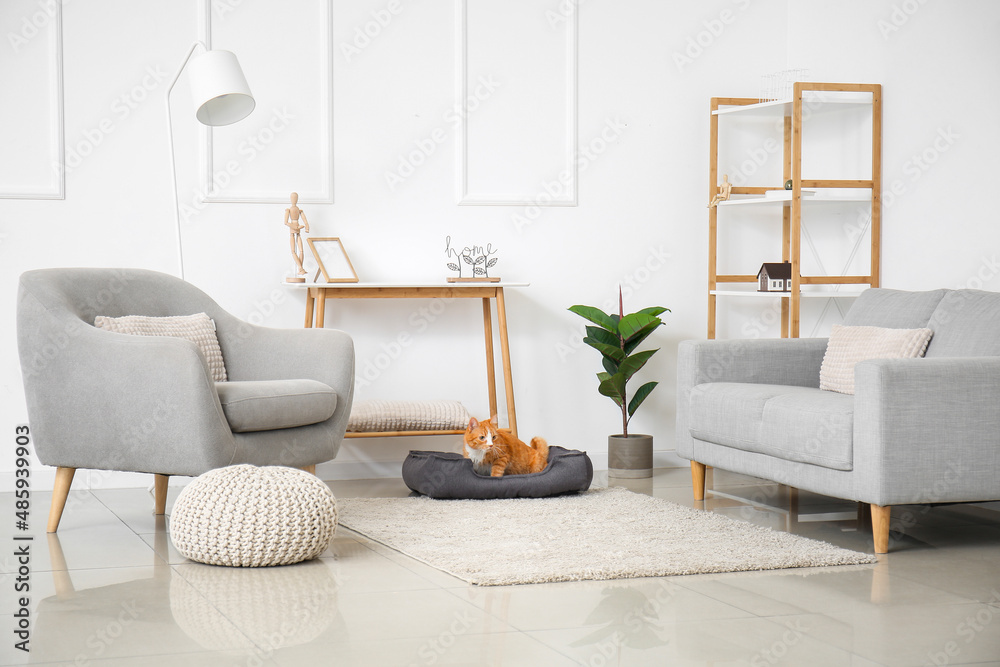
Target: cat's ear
(494, 421)
(472, 423)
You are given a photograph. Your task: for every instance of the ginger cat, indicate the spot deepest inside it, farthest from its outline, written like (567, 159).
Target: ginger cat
(497, 453)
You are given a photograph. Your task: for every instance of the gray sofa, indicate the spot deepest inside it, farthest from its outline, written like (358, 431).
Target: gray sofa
(916, 431)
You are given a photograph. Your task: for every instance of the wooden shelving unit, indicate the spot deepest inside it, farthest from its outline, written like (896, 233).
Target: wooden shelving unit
(818, 193)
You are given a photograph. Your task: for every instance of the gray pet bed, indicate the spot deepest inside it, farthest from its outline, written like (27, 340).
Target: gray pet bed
(446, 475)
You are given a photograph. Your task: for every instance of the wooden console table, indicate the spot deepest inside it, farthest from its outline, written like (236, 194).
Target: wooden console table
(318, 293)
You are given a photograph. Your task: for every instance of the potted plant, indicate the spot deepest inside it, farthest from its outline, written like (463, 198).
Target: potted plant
(616, 337)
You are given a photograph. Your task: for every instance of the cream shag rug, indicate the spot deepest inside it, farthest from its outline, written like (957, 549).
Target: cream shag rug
(602, 534)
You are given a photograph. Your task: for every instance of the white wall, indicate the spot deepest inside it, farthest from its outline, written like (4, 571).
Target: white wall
(637, 88)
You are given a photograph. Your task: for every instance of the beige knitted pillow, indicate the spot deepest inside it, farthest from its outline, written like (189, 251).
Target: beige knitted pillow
(849, 345)
(380, 415)
(199, 329)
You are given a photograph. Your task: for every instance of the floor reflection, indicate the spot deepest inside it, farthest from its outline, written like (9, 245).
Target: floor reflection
(243, 612)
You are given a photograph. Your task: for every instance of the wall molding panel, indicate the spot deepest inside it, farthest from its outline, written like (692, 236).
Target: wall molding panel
(508, 152)
(286, 144)
(39, 170)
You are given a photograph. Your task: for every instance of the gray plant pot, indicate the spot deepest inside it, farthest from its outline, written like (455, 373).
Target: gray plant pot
(630, 456)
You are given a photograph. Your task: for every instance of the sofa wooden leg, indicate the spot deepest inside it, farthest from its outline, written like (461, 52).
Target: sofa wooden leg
(60, 491)
(310, 469)
(160, 483)
(880, 527)
(864, 516)
(698, 480)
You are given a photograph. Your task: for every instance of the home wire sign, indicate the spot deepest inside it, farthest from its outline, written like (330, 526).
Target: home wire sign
(477, 260)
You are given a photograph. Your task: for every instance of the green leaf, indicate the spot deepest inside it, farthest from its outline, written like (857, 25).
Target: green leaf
(632, 364)
(597, 316)
(613, 389)
(640, 395)
(602, 377)
(654, 311)
(632, 324)
(642, 335)
(612, 351)
(610, 365)
(604, 336)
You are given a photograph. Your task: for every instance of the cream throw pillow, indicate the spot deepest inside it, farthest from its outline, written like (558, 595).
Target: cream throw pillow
(199, 329)
(849, 345)
(381, 415)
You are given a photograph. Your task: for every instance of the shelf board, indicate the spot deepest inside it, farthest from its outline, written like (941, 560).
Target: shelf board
(805, 295)
(827, 100)
(785, 199)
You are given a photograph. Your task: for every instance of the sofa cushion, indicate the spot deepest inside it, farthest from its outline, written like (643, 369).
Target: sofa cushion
(793, 423)
(849, 345)
(966, 324)
(895, 309)
(810, 426)
(266, 405)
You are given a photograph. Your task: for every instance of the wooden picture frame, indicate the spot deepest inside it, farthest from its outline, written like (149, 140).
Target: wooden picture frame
(332, 259)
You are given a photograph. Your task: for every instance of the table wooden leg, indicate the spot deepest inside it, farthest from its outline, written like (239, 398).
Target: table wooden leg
(320, 308)
(491, 376)
(508, 379)
(310, 304)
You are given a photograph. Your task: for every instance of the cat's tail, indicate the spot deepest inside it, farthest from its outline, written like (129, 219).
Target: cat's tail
(541, 447)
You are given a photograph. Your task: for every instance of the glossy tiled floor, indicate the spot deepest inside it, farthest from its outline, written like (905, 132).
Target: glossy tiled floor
(110, 590)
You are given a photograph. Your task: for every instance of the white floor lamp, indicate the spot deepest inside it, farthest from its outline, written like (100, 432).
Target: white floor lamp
(220, 95)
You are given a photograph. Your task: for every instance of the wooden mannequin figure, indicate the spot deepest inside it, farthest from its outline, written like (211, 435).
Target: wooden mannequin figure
(292, 215)
(725, 191)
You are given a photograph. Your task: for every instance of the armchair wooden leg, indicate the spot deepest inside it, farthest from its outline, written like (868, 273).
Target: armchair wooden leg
(310, 469)
(880, 528)
(698, 480)
(160, 493)
(60, 491)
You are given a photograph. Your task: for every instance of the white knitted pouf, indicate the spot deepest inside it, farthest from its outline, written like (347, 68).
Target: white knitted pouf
(245, 516)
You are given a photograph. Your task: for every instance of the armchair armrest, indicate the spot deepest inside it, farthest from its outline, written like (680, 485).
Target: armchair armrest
(927, 430)
(119, 402)
(261, 353)
(787, 361)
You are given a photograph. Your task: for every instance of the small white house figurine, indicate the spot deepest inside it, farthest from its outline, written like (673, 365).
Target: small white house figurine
(775, 277)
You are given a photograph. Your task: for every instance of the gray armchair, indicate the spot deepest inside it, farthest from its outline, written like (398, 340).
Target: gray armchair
(110, 401)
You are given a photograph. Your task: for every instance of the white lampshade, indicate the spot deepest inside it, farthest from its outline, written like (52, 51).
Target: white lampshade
(218, 88)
